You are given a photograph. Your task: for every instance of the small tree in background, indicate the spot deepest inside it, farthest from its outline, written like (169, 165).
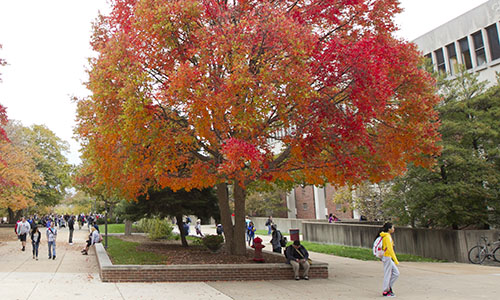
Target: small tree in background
(463, 188)
(166, 202)
(266, 201)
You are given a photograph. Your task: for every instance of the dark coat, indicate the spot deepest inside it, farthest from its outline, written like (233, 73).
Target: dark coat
(38, 239)
(292, 254)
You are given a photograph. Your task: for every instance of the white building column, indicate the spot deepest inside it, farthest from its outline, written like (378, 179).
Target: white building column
(291, 204)
(319, 202)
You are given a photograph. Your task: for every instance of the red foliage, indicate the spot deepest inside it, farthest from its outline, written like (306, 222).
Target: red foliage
(189, 93)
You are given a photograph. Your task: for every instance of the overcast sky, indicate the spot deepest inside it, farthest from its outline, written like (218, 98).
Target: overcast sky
(46, 44)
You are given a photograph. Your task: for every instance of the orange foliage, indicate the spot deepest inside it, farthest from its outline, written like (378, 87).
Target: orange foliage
(190, 93)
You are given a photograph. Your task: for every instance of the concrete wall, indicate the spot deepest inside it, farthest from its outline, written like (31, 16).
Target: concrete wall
(451, 245)
(283, 224)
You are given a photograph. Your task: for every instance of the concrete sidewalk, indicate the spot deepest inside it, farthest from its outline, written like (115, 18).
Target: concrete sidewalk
(74, 276)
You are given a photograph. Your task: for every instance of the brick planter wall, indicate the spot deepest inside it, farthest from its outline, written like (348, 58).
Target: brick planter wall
(157, 273)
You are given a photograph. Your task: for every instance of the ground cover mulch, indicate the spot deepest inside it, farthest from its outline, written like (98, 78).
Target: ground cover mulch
(195, 254)
(7, 234)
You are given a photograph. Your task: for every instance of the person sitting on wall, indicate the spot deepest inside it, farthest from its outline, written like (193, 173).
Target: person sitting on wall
(297, 256)
(93, 239)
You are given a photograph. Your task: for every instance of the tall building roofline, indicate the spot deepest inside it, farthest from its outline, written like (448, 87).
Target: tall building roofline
(455, 19)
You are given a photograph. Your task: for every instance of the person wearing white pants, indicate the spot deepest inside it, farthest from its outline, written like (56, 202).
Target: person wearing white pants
(391, 272)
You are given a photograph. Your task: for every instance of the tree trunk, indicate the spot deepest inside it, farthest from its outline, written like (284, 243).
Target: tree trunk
(181, 230)
(11, 216)
(225, 216)
(239, 220)
(128, 227)
(14, 215)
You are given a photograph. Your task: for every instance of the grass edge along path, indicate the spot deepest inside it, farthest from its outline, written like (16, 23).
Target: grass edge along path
(359, 253)
(125, 253)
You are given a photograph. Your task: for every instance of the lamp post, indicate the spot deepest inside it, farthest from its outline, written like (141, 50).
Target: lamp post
(106, 223)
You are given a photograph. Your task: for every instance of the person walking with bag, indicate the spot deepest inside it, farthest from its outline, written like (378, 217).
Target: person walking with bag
(35, 241)
(51, 240)
(276, 239)
(389, 260)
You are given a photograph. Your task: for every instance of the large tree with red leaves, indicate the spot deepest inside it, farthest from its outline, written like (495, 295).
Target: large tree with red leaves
(196, 93)
(4, 182)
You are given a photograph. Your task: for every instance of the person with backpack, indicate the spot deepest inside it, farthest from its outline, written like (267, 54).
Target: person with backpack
(388, 256)
(277, 239)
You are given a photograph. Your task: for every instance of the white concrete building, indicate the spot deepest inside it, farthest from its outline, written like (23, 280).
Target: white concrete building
(471, 39)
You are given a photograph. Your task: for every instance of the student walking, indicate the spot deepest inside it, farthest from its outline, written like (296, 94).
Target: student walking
(51, 240)
(276, 239)
(250, 233)
(35, 241)
(198, 228)
(389, 260)
(23, 228)
(71, 226)
(269, 223)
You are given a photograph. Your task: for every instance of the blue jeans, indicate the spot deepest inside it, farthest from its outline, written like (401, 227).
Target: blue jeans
(52, 246)
(35, 248)
(268, 229)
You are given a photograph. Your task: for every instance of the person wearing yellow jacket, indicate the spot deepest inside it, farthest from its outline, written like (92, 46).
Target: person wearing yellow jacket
(391, 272)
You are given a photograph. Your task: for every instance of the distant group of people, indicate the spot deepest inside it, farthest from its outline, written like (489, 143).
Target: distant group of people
(30, 227)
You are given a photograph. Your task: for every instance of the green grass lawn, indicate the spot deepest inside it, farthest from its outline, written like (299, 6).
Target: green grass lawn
(125, 253)
(264, 232)
(114, 228)
(358, 253)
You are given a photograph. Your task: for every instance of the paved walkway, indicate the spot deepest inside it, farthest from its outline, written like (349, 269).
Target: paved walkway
(74, 276)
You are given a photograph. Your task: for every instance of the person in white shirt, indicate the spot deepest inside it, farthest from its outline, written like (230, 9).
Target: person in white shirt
(198, 228)
(23, 228)
(93, 239)
(51, 239)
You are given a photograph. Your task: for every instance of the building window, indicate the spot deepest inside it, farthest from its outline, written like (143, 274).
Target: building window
(304, 206)
(464, 51)
(452, 58)
(440, 60)
(429, 57)
(479, 48)
(492, 33)
(338, 206)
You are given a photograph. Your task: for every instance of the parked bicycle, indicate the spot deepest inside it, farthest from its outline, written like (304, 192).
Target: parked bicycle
(486, 250)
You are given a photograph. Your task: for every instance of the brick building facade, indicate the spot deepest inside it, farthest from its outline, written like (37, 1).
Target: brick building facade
(311, 202)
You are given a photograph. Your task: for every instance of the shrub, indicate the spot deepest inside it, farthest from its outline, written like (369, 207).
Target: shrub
(213, 242)
(156, 228)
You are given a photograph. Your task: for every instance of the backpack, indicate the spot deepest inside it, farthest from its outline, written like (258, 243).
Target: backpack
(283, 240)
(286, 251)
(377, 248)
